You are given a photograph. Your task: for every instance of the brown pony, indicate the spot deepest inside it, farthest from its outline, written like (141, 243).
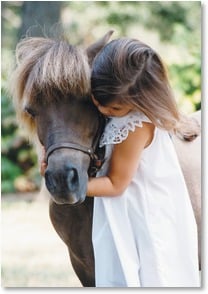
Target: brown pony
(51, 91)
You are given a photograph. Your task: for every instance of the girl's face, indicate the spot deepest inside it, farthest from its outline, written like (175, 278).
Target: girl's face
(113, 109)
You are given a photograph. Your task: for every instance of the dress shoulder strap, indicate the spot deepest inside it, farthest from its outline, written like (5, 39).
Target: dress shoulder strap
(118, 128)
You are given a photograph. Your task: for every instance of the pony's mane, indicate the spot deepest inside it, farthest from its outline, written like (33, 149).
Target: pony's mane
(47, 69)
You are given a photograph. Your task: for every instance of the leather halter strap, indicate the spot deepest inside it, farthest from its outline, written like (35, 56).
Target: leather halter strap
(68, 145)
(96, 158)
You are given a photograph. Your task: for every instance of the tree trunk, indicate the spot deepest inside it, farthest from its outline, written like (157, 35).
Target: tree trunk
(39, 17)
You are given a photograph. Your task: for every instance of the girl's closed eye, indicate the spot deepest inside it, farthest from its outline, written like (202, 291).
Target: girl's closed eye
(117, 108)
(113, 109)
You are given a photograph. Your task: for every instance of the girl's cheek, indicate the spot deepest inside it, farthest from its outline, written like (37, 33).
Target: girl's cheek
(103, 110)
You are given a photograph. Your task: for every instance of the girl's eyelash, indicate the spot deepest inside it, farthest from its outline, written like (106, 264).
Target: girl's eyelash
(116, 108)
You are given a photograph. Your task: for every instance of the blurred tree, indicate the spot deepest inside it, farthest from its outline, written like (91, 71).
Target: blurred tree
(17, 156)
(10, 23)
(167, 16)
(40, 16)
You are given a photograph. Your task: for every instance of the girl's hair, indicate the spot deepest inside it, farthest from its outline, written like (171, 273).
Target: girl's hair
(128, 71)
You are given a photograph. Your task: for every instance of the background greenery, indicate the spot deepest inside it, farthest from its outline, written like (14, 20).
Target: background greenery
(171, 27)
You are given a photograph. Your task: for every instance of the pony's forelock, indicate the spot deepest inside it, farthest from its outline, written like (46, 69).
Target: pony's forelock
(50, 69)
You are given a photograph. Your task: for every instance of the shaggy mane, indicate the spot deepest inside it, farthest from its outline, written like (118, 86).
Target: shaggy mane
(48, 70)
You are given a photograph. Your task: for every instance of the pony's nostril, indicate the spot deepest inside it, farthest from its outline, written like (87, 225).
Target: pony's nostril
(50, 181)
(72, 177)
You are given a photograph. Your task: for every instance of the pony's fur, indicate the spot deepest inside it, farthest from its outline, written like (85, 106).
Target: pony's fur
(47, 69)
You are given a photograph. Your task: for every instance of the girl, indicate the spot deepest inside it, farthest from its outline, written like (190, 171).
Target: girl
(144, 230)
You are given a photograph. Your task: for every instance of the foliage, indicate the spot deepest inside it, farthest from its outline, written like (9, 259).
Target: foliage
(18, 156)
(11, 21)
(171, 27)
(186, 83)
(10, 171)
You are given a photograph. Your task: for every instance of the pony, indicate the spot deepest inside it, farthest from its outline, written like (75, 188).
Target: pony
(51, 93)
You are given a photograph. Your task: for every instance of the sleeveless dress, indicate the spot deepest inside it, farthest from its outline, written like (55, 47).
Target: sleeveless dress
(146, 237)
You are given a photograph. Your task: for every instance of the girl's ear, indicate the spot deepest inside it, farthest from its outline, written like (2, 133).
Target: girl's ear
(93, 49)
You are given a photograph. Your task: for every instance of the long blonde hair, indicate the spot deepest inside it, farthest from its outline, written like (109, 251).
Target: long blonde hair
(130, 72)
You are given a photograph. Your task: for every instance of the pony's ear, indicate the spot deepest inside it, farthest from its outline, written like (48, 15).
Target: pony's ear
(93, 49)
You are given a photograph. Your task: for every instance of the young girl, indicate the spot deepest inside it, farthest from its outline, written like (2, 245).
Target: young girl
(144, 230)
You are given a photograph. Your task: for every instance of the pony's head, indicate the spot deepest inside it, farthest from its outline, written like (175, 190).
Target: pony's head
(51, 92)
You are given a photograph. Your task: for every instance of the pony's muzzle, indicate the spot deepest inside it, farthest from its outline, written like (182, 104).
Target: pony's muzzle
(64, 185)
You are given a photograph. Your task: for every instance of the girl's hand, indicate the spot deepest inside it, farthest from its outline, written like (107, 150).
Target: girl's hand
(43, 164)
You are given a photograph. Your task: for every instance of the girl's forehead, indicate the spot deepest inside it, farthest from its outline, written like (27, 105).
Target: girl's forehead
(113, 103)
(118, 103)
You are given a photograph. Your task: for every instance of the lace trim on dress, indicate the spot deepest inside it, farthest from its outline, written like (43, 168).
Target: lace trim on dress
(117, 129)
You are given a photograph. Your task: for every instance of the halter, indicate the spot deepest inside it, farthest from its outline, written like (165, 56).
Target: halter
(95, 153)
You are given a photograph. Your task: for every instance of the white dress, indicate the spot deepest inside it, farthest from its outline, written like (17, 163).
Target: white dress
(147, 237)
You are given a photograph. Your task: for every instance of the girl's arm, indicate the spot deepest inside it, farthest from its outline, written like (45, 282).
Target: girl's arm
(123, 165)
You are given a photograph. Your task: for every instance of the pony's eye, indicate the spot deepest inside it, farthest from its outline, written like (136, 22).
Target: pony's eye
(30, 111)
